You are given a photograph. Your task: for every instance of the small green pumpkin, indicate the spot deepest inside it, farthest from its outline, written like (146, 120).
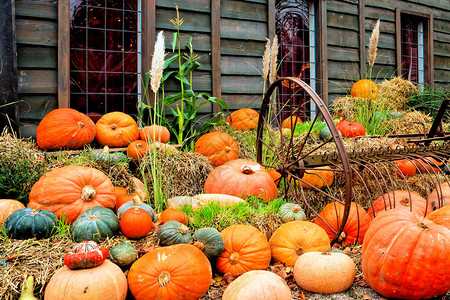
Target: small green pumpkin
(209, 241)
(27, 223)
(137, 202)
(124, 254)
(95, 224)
(325, 133)
(291, 212)
(174, 232)
(108, 157)
(395, 115)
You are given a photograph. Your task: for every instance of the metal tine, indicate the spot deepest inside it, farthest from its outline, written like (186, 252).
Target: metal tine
(438, 187)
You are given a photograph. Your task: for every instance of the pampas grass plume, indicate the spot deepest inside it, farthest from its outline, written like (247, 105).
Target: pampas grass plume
(374, 43)
(156, 71)
(266, 60)
(273, 59)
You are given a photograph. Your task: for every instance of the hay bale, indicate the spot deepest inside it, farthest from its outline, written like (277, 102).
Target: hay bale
(344, 108)
(396, 93)
(412, 122)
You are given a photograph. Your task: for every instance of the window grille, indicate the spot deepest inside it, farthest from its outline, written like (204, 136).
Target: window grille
(412, 49)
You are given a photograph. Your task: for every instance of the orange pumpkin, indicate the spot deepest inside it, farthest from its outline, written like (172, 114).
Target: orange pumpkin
(318, 178)
(122, 199)
(116, 129)
(179, 271)
(164, 148)
(241, 178)
(135, 223)
(106, 281)
(440, 196)
(246, 249)
(350, 129)
(218, 146)
(172, 214)
(243, 119)
(65, 128)
(120, 191)
(428, 164)
(403, 200)
(276, 177)
(354, 230)
(406, 256)
(7, 207)
(364, 88)
(440, 216)
(137, 150)
(72, 190)
(156, 133)
(291, 122)
(405, 167)
(294, 238)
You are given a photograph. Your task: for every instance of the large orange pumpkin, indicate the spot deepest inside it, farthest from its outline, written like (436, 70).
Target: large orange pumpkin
(65, 128)
(243, 119)
(156, 133)
(7, 207)
(116, 129)
(137, 150)
(106, 281)
(246, 249)
(405, 256)
(440, 196)
(318, 178)
(241, 178)
(72, 190)
(218, 146)
(440, 216)
(179, 271)
(354, 230)
(364, 88)
(405, 167)
(294, 238)
(401, 200)
(291, 122)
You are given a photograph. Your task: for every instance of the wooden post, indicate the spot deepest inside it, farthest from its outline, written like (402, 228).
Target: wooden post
(362, 40)
(63, 53)
(9, 116)
(215, 52)
(148, 42)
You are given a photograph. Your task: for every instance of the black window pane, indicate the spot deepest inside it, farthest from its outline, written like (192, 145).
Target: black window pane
(96, 17)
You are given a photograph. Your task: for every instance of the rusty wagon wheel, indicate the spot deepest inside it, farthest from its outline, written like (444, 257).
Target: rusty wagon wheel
(290, 154)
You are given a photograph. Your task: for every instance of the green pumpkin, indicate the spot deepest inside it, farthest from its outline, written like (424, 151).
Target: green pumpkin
(108, 157)
(325, 133)
(124, 254)
(209, 241)
(27, 223)
(95, 224)
(137, 202)
(395, 115)
(291, 212)
(174, 232)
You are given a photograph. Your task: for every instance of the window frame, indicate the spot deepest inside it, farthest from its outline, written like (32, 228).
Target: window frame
(427, 20)
(147, 35)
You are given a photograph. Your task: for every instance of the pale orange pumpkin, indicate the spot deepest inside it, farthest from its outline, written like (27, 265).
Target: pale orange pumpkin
(155, 133)
(137, 150)
(106, 281)
(179, 271)
(65, 128)
(440, 216)
(246, 249)
(364, 88)
(219, 147)
(172, 214)
(440, 196)
(294, 238)
(319, 178)
(7, 207)
(71, 190)
(243, 119)
(291, 122)
(241, 178)
(411, 201)
(258, 284)
(116, 129)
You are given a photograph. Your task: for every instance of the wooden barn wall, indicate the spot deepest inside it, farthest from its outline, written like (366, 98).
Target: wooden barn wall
(37, 39)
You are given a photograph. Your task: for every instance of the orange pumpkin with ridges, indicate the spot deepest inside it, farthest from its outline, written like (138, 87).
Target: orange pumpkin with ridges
(116, 129)
(440, 196)
(319, 178)
(71, 190)
(173, 214)
(65, 128)
(7, 207)
(403, 200)
(137, 150)
(291, 122)
(219, 147)
(405, 167)
(364, 88)
(156, 133)
(440, 216)
(243, 119)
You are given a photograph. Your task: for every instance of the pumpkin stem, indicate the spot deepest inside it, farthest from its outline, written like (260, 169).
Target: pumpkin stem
(163, 278)
(234, 258)
(422, 226)
(81, 124)
(247, 170)
(342, 237)
(88, 193)
(199, 245)
(105, 149)
(113, 126)
(136, 200)
(295, 209)
(227, 149)
(299, 250)
(405, 202)
(183, 229)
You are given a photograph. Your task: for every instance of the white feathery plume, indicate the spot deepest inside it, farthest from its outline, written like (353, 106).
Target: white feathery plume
(156, 71)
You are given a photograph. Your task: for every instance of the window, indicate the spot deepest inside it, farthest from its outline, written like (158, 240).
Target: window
(414, 47)
(295, 26)
(105, 55)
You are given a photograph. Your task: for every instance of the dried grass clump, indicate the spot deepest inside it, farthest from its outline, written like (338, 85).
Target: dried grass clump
(183, 174)
(412, 122)
(344, 108)
(396, 92)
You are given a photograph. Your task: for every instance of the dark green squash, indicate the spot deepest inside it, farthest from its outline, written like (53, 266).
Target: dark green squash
(137, 202)
(209, 241)
(124, 254)
(95, 224)
(108, 157)
(27, 223)
(174, 232)
(291, 212)
(325, 133)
